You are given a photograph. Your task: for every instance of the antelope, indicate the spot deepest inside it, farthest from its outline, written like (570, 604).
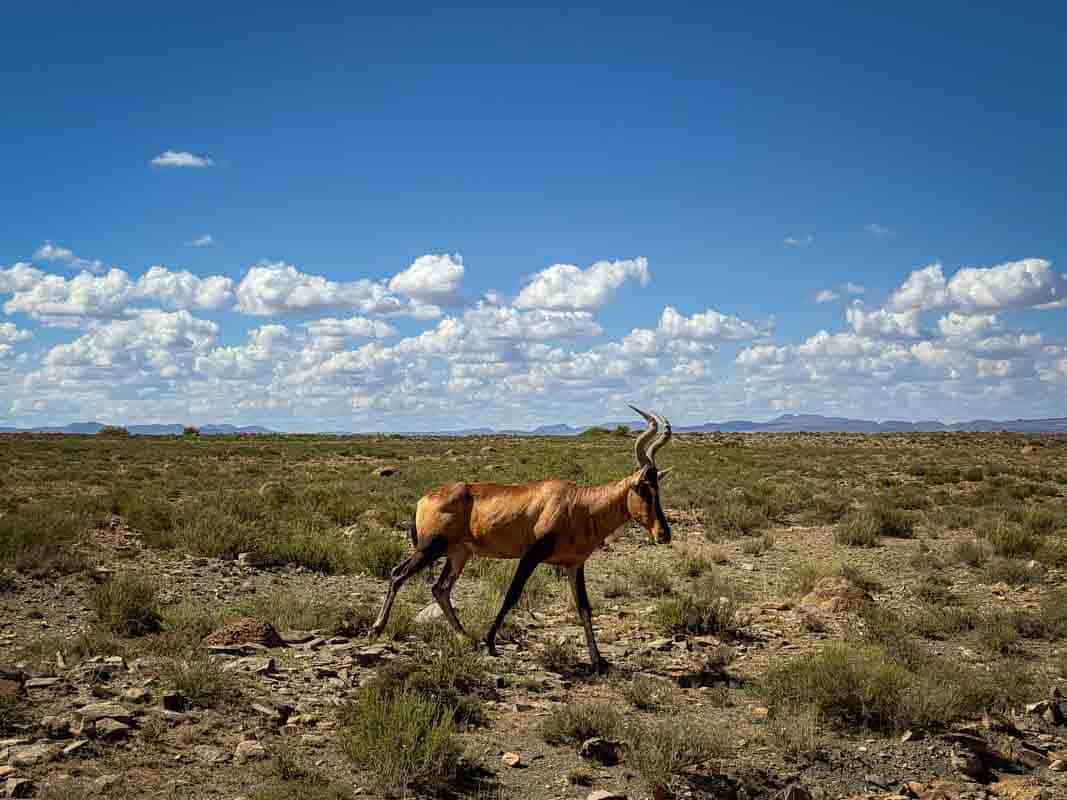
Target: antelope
(550, 521)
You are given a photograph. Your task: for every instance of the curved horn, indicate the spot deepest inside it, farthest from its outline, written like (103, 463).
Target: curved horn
(642, 441)
(662, 440)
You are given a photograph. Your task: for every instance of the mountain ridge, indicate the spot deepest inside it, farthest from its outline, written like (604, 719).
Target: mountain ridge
(785, 423)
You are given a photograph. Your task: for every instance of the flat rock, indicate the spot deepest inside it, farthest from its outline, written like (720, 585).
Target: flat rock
(372, 655)
(512, 760)
(429, 613)
(30, 755)
(606, 794)
(136, 694)
(245, 630)
(607, 751)
(42, 683)
(111, 730)
(105, 710)
(249, 750)
(386, 472)
(210, 754)
(75, 746)
(19, 787)
(294, 637)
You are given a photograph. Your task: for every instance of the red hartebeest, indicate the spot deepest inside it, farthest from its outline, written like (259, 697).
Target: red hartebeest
(551, 521)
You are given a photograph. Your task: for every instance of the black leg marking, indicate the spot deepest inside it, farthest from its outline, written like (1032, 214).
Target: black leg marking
(585, 613)
(542, 549)
(426, 554)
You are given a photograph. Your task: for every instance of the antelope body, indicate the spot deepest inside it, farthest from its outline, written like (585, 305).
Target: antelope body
(550, 521)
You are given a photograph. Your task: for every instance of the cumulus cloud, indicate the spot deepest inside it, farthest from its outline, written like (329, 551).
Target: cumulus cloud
(709, 324)
(1015, 284)
(431, 280)
(160, 342)
(64, 255)
(565, 287)
(19, 278)
(799, 241)
(57, 300)
(181, 158)
(826, 296)
(882, 324)
(10, 335)
(351, 328)
(278, 288)
(183, 290)
(855, 288)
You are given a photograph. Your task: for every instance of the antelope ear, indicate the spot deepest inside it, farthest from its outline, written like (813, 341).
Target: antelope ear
(663, 473)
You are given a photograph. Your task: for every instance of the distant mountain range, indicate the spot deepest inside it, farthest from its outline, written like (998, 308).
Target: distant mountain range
(787, 423)
(172, 429)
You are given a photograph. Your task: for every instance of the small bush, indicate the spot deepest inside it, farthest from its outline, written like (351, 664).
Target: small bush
(376, 552)
(646, 693)
(400, 741)
(1010, 539)
(972, 552)
(653, 580)
(1011, 571)
(115, 431)
(710, 609)
(128, 605)
(757, 545)
(694, 564)
(826, 509)
(617, 586)
(971, 474)
(851, 685)
(796, 731)
(864, 528)
(559, 656)
(736, 515)
(576, 722)
(202, 681)
(37, 540)
(13, 713)
(1053, 614)
(661, 749)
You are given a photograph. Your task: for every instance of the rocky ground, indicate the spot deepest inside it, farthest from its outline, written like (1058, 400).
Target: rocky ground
(116, 725)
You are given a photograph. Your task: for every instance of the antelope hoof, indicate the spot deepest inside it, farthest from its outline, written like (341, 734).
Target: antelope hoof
(601, 666)
(490, 648)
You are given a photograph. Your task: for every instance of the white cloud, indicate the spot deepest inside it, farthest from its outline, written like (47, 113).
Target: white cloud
(58, 300)
(10, 335)
(181, 158)
(826, 296)
(64, 255)
(19, 278)
(882, 324)
(157, 342)
(878, 231)
(799, 241)
(565, 287)
(279, 288)
(708, 325)
(351, 328)
(431, 279)
(966, 326)
(202, 241)
(855, 288)
(1015, 284)
(183, 290)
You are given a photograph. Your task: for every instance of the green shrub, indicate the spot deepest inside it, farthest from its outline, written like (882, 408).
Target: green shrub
(796, 731)
(646, 693)
(661, 749)
(128, 605)
(972, 552)
(866, 527)
(653, 580)
(710, 609)
(576, 722)
(202, 681)
(401, 741)
(738, 515)
(37, 539)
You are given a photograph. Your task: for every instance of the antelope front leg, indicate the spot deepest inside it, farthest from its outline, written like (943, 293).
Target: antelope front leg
(585, 612)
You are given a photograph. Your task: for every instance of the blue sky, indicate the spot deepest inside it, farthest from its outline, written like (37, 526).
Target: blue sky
(753, 158)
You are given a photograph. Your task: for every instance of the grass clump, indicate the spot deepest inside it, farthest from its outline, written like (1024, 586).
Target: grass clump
(127, 605)
(737, 515)
(646, 693)
(13, 713)
(867, 526)
(376, 552)
(37, 540)
(972, 552)
(710, 609)
(653, 580)
(796, 732)
(401, 741)
(202, 681)
(577, 722)
(662, 749)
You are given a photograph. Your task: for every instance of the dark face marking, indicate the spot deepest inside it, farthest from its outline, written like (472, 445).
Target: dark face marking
(644, 506)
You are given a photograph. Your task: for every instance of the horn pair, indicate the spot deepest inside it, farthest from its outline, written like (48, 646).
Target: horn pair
(646, 456)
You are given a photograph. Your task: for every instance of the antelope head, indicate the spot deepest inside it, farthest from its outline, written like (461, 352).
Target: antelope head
(642, 500)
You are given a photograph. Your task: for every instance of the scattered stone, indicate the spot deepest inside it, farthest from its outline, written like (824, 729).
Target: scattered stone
(607, 751)
(834, 593)
(911, 736)
(136, 694)
(795, 791)
(1029, 756)
(1000, 588)
(42, 683)
(56, 727)
(747, 567)
(605, 794)
(276, 714)
(111, 730)
(296, 637)
(971, 765)
(372, 655)
(245, 630)
(313, 740)
(105, 710)
(105, 783)
(75, 746)
(210, 754)
(512, 760)
(1058, 765)
(428, 614)
(6, 772)
(1012, 787)
(30, 755)
(761, 712)
(249, 750)
(19, 787)
(10, 688)
(386, 472)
